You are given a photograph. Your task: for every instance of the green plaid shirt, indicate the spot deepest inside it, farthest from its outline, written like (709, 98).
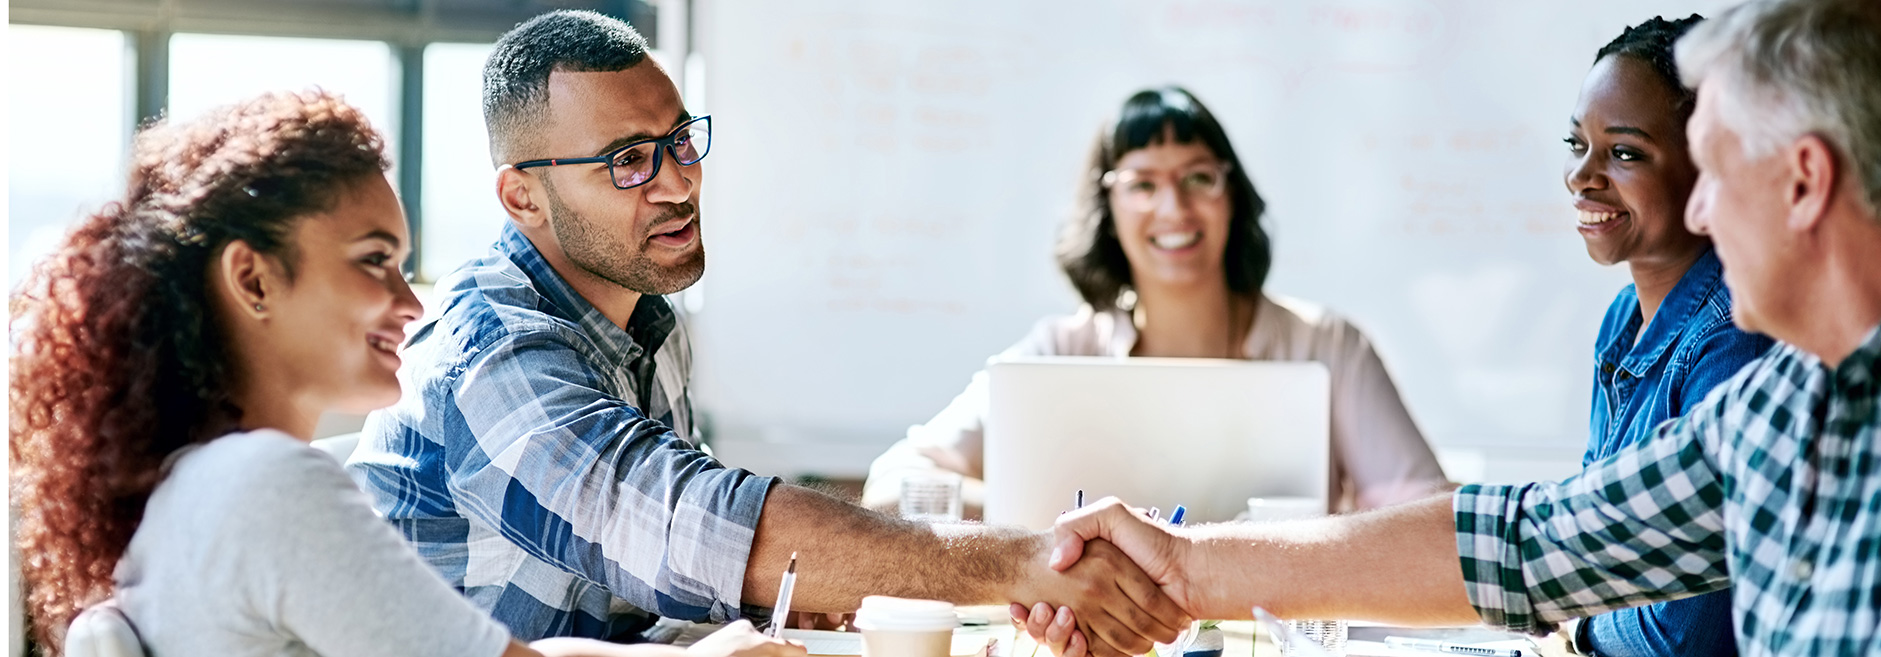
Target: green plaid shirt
(1772, 486)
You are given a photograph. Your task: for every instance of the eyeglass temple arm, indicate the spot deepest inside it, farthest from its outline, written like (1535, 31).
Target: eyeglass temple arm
(559, 161)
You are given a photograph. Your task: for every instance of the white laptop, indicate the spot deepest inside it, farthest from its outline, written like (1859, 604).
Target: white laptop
(1205, 434)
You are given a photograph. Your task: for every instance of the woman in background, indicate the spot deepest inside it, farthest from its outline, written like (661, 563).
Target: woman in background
(1169, 256)
(172, 359)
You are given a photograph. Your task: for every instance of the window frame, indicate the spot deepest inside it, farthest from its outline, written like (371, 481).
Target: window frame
(407, 27)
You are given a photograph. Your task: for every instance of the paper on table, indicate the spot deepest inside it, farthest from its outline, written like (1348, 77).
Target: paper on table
(826, 642)
(1379, 649)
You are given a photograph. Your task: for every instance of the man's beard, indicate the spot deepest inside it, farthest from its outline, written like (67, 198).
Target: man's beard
(626, 265)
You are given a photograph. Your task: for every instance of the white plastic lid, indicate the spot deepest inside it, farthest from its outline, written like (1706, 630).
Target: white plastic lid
(886, 614)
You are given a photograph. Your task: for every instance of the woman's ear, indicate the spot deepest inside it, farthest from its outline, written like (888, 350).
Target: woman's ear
(518, 191)
(250, 278)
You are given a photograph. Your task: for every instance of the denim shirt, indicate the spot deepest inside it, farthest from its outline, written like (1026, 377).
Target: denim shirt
(1690, 347)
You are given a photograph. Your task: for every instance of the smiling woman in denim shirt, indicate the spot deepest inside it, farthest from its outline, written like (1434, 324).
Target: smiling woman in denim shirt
(1667, 338)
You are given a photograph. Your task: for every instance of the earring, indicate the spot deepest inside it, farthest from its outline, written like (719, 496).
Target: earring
(258, 308)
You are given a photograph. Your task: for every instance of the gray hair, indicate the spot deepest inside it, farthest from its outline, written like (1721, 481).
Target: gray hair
(1797, 67)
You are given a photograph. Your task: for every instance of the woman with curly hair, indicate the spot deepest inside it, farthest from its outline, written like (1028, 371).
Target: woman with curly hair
(173, 356)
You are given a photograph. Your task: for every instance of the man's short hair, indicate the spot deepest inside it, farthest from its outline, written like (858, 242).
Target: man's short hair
(1796, 67)
(516, 77)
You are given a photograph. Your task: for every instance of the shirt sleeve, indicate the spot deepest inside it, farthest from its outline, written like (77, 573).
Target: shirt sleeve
(1641, 526)
(951, 441)
(327, 571)
(580, 479)
(954, 439)
(1374, 438)
(1700, 626)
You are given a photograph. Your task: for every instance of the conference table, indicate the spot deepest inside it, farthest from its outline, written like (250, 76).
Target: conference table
(1240, 639)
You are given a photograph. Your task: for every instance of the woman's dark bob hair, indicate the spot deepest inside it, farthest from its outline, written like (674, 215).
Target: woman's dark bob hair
(1088, 250)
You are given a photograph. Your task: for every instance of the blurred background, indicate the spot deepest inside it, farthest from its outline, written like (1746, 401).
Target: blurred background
(889, 177)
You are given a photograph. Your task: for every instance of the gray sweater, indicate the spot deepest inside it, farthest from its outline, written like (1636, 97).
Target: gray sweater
(257, 544)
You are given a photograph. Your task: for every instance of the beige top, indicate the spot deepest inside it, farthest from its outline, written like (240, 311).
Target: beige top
(1378, 456)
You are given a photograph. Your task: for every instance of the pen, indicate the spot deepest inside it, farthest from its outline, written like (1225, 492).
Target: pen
(1428, 645)
(780, 615)
(1188, 634)
(1080, 503)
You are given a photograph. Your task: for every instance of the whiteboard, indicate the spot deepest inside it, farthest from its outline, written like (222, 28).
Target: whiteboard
(889, 176)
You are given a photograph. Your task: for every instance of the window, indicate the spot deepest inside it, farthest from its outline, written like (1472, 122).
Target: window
(69, 149)
(461, 213)
(209, 70)
(66, 143)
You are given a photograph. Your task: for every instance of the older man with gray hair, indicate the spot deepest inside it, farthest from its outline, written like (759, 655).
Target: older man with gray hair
(1772, 486)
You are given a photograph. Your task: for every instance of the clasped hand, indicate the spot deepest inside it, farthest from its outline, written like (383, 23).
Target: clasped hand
(1099, 539)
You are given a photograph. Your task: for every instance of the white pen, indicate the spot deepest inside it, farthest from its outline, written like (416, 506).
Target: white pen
(1428, 645)
(780, 615)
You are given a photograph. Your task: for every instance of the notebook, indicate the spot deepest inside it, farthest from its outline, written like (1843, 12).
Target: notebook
(825, 642)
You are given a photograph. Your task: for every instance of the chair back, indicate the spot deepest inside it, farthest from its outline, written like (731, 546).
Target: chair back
(339, 447)
(103, 630)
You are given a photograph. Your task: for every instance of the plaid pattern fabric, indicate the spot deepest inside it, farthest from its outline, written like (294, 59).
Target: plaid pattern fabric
(1771, 486)
(540, 460)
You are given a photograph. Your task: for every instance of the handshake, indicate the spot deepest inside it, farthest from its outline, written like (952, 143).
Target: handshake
(1135, 588)
(1144, 581)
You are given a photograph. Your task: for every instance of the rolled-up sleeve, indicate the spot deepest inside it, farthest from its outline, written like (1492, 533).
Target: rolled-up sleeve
(1644, 525)
(954, 440)
(581, 479)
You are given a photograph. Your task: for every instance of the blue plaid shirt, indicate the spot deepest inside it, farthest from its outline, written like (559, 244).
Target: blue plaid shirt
(540, 460)
(1771, 486)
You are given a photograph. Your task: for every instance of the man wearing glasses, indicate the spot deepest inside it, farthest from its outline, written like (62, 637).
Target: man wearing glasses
(542, 457)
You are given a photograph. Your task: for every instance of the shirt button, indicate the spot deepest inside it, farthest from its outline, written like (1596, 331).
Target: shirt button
(1801, 570)
(1606, 367)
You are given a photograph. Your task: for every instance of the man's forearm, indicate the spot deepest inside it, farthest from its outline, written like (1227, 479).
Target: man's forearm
(1396, 565)
(845, 552)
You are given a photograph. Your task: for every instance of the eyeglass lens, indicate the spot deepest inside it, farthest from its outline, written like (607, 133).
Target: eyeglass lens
(637, 165)
(1141, 188)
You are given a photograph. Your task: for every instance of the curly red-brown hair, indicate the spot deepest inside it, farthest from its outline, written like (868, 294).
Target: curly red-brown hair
(119, 359)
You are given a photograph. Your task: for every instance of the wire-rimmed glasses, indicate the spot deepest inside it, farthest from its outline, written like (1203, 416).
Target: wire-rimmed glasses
(1139, 188)
(638, 163)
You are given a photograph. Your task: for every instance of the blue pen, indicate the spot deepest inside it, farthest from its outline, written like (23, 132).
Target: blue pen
(1180, 647)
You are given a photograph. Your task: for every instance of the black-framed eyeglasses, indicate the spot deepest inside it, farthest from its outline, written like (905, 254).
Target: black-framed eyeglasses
(638, 163)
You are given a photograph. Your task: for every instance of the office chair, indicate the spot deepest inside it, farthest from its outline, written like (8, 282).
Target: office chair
(103, 630)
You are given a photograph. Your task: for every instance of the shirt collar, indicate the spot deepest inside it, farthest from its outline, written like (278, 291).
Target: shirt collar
(1704, 279)
(1265, 330)
(1858, 369)
(652, 321)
